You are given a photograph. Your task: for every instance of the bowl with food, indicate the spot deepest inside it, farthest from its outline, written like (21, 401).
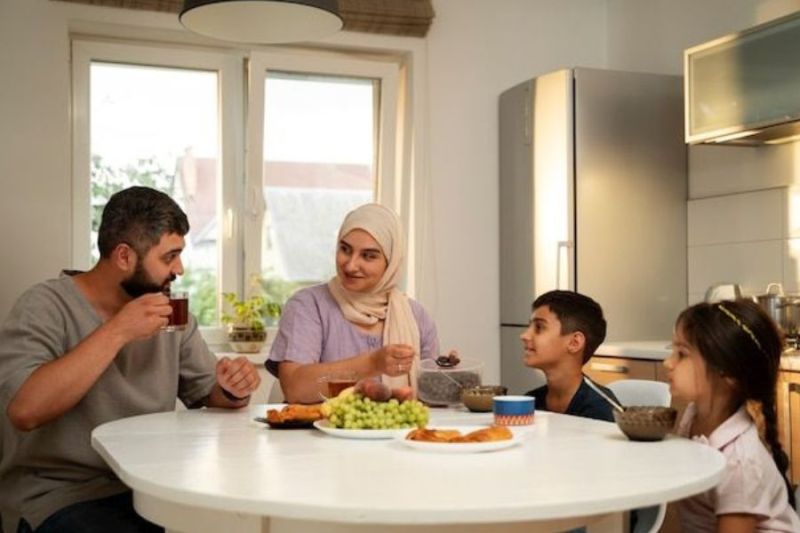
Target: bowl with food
(646, 422)
(479, 399)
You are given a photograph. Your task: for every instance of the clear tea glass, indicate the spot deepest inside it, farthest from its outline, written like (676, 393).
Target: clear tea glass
(179, 301)
(332, 384)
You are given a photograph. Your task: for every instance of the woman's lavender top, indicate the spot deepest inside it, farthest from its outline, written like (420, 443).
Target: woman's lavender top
(314, 330)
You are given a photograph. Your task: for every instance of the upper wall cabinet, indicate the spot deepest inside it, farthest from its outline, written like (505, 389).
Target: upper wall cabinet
(744, 88)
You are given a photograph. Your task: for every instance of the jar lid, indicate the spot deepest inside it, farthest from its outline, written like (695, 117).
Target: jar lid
(429, 365)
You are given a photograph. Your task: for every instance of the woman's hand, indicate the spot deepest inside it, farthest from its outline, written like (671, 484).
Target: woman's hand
(393, 359)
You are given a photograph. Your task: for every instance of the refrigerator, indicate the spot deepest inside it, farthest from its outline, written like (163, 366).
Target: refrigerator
(593, 198)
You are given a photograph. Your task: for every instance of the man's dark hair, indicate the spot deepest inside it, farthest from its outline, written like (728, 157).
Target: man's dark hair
(576, 312)
(139, 217)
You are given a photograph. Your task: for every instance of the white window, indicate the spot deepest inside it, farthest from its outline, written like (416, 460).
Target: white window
(321, 142)
(264, 151)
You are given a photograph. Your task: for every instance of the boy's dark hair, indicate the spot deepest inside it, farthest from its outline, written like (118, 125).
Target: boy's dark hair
(738, 339)
(576, 312)
(139, 217)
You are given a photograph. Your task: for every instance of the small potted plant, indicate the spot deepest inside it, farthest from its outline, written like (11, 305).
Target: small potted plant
(246, 322)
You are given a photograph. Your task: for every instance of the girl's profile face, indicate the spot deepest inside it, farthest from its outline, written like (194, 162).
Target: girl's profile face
(688, 378)
(360, 262)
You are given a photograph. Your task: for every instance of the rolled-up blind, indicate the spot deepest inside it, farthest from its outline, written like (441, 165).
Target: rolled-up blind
(390, 17)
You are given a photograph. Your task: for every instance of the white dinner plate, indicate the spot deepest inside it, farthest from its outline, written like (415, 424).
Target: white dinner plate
(364, 434)
(462, 447)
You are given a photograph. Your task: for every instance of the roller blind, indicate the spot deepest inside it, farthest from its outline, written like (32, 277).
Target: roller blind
(410, 18)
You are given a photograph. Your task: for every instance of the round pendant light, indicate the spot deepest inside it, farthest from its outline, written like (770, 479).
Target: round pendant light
(262, 21)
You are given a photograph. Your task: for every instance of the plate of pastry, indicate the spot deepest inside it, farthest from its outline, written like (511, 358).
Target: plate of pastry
(461, 439)
(292, 416)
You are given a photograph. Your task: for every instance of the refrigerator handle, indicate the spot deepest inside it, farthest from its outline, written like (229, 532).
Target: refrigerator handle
(562, 246)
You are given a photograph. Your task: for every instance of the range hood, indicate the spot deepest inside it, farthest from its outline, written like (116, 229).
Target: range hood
(744, 88)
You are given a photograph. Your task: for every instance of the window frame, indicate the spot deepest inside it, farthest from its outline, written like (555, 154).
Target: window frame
(231, 161)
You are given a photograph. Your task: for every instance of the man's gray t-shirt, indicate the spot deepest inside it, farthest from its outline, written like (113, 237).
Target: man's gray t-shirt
(53, 466)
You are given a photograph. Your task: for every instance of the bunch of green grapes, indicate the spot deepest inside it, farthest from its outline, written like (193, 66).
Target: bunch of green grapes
(355, 411)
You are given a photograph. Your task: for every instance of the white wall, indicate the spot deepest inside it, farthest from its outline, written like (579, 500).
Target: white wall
(477, 49)
(34, 146)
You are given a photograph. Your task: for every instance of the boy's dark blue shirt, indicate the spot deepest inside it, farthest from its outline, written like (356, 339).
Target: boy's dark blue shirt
(586, 402)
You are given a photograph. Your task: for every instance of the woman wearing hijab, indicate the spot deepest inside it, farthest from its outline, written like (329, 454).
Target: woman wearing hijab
(357, 322)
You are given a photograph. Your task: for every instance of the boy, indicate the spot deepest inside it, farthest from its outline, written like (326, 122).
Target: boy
(565, 329)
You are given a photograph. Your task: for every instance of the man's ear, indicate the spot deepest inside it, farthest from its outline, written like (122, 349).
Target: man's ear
(577, 340)
(124, 257)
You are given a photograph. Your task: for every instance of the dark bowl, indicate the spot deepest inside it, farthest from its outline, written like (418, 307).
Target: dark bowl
(646, 422)
(479, 399)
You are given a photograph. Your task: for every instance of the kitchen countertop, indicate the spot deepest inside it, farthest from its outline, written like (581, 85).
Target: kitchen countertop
(791, 361)
(660, 350)
(651, 350)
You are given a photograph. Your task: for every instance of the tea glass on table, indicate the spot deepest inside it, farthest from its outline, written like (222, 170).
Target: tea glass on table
(179, 301)
(332, 384)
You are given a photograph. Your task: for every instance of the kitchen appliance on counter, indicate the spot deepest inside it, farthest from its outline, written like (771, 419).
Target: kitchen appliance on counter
(593, 191)
(784, 310)
(723, 291)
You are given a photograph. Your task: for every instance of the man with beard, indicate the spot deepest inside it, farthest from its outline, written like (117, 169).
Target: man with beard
(88, 348)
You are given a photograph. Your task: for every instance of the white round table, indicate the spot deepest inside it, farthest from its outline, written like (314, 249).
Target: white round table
(217, 470)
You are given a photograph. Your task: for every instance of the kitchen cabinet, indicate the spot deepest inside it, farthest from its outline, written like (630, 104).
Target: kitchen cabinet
(604, 370)
(788, 398)
(741, 88)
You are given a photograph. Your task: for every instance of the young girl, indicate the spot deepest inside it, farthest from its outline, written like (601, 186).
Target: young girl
(725, 362)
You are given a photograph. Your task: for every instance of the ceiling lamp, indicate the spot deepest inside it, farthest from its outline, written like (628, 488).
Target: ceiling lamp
(262, 21)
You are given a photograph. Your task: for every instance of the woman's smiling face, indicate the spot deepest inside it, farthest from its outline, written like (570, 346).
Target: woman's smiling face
(360, 261)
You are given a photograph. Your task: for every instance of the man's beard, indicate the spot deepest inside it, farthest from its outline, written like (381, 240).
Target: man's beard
(140, 283)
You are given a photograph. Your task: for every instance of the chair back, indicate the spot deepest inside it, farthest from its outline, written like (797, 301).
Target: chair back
(644, 392)
(641, 392)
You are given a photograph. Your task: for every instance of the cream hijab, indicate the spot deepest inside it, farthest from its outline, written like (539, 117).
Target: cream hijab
(384, 301)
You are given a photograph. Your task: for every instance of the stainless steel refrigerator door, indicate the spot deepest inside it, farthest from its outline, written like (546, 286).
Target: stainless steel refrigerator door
(513, 372)
(516, 205)
(631, 189)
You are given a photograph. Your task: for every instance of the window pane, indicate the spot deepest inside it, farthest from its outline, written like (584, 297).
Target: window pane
(159, 127)
(319, 163)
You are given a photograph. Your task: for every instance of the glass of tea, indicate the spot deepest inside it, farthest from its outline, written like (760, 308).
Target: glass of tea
(332, 384)
(179, 301)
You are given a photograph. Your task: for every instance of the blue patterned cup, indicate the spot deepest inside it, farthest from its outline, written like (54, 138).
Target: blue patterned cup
(513, 410)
